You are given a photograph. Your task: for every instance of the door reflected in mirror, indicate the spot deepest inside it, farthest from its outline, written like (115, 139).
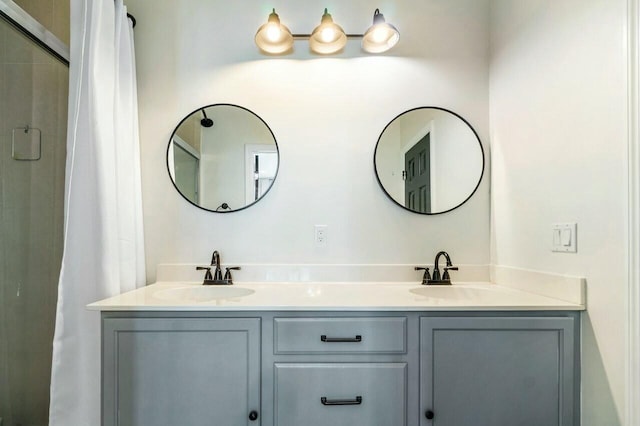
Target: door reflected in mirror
(222, 158)
(429, 160)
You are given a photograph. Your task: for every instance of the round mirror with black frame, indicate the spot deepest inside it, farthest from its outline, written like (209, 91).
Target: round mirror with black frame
(429, 160)
(223, 158)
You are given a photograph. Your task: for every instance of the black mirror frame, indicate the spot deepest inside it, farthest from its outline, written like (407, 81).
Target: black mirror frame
(375, 167)
(212, 105)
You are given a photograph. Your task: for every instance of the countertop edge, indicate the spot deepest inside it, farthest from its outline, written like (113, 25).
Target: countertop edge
(191, 308)
(146, 301)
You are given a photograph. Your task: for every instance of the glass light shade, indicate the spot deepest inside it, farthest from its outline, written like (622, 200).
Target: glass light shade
(328, 37)
(273, 37)
(380, 36)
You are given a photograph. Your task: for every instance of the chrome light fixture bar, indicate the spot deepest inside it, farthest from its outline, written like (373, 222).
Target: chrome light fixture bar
(327, 38)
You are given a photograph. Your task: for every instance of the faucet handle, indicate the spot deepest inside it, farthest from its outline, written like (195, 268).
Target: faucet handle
(207, 275)
(426, 276)
(445, 276)
(227, 273)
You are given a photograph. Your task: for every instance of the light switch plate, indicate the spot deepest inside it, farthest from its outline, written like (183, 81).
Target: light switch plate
(564, 237)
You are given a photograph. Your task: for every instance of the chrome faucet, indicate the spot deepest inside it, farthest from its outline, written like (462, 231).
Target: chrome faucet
(216, 278)
(436, 278)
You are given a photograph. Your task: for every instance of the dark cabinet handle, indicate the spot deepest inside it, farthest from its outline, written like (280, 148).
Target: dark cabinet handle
(326, 339)
(429, 415)
(253, 415)
(356, 401)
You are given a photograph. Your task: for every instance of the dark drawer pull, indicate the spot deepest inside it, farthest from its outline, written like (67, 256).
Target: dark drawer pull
(324, 338)
(326, 401)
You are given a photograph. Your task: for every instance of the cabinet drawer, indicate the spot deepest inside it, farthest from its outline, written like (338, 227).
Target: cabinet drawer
(359, 394)
(340, 335)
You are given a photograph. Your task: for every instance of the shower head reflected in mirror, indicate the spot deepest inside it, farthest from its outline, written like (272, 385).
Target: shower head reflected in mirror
(206, 121)
(222, 158)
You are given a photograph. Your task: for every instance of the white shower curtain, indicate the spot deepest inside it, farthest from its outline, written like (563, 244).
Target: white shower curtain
(103, 241)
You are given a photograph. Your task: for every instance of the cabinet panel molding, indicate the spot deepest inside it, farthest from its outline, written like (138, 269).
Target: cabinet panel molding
(180, 371)
(349, 394)
(490, 371)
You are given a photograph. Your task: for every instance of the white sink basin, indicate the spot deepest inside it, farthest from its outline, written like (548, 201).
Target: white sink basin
(460, 293)
(202, 293)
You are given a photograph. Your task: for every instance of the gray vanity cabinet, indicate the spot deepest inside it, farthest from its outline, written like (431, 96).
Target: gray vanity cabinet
(487, 371)
(323, 368)
(180, 371)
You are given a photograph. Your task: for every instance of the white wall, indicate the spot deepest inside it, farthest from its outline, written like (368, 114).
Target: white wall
(559, 141)
(558, 108)
(326, 114)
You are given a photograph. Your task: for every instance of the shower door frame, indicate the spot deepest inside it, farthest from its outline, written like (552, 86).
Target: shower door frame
(29, 27)
(33, 29)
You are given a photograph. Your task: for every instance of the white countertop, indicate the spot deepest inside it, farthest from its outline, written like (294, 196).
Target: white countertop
(331, 296)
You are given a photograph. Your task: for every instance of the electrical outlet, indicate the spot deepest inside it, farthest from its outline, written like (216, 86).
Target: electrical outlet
(321, 235)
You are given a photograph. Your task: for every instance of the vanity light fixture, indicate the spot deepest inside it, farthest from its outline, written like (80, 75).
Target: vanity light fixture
(273, 37)
(327, 38)
(380, 36)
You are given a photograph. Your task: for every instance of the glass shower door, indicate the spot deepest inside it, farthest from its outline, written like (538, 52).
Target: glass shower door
(33, 120)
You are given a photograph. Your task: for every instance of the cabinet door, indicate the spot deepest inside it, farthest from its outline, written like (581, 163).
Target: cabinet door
(183, 371)
(497, 371)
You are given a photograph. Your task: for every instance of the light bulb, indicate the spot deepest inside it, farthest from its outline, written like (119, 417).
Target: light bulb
(273, 33)
(379, 35)
(327, 35)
